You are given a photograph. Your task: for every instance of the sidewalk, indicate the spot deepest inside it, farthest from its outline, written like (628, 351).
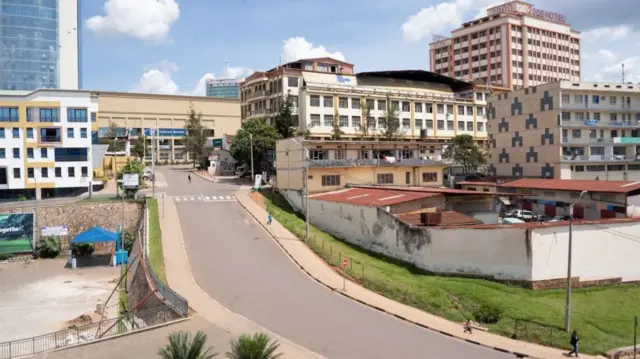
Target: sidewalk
(181, 280)
(317, 269)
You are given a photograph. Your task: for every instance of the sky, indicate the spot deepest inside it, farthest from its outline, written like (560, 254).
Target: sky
(174, 46)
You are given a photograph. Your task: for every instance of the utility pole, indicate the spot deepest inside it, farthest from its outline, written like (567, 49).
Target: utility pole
(567, 313)
(305, 153)
(153, 161)
(635, 336)
(251, 147)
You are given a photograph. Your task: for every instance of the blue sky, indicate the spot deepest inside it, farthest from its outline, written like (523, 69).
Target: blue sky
(171, 46)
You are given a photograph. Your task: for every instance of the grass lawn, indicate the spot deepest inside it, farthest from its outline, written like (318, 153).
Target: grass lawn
(603, 316)
(156, 256)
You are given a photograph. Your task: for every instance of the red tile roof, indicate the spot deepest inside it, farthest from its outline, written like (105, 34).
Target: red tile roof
(372, 197)
(574, 185)
(439, 190)
(447, 218)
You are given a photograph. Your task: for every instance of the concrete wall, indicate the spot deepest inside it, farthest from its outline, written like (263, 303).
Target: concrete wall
(501, 253)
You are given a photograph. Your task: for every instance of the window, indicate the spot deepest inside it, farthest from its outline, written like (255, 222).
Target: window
(30, 173)
(318, 155)
(355, 121)
(449, 125)
(9, 114)
(16, 153)
(430, 177)
(566, 116)
(440, 109)
(576, 133)
(613, 117)
(449, 109)
(16, 173)
(328, 120)
(565, 98)
(406, 106)
(330, 180)
(43, 153)
(83, 133)
(371, 122)
(294, 100)
(29, 152)
(428, 124)
(382, 122)
(15, 132)
(480, 126)
(71, 154)
(470, 110)
(1, 132)
(58, 172)
(340, 154)
(460, 125)
(428, 108)
(77, 115)
(343, 121)
(355, 103)
(93, 117)
(343, 102)
(407, 177)
(3, 153)
(328, 101)
(84, 171)
(29, 132)
(595, 99)
(470, 126)
(612, 100)
(384, 178)
(44, 172)
(441, 125)
(315, 119)
(382, 105)
(71, 172)
(363, 155)
(406, 123)
(314, 101)
(42, 115)
(461, 110)
(371, 104)
(70, 132)
(395, 105)
(417, 107)
(292, 81)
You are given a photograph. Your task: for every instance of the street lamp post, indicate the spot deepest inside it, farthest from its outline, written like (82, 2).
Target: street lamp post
(567, 314)
(251, 149)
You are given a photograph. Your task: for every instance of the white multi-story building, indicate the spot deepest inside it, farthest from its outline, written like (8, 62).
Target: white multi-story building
(515, 45)
(45, 142)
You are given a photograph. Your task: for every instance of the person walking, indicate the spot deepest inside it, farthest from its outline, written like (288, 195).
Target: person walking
(269, 218)
(574, 343)
(189, 176)
(468, 326)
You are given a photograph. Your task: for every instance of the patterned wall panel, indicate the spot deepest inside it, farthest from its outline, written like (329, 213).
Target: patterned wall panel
(524, 136)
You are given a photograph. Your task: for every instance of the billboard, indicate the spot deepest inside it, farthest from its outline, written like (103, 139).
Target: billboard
(165, 132)
(16, 232)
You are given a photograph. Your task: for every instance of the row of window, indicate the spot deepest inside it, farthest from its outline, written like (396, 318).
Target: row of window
(381, 178)
(596, 116)
(12, 114)
(57, 172)
(15, 132)
(60, 154)
(380, 122)
(624, 101)
(343, 102)
(603, 168)
(321, 154)
(577, 133)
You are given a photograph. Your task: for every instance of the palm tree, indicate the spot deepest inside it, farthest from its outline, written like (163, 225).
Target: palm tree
(181, 346)
(258, 346)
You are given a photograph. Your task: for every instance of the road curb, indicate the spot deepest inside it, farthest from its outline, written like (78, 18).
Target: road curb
(203, 177)
(517, 354)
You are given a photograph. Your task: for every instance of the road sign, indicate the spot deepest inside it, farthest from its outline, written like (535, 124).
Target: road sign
(345, 263)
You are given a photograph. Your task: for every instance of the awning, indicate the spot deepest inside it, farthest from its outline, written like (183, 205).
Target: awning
(505, 201)
(96, 235)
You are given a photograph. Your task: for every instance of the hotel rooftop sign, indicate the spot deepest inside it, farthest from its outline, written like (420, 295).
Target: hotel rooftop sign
(522, 8)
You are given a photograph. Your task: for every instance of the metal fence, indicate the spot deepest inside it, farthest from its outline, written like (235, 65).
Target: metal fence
(74, 336)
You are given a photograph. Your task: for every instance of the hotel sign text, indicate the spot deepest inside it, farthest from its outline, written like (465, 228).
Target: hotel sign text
(526, 9)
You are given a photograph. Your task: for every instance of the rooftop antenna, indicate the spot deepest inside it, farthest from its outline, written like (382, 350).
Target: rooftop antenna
(226, 67)
(623, 73)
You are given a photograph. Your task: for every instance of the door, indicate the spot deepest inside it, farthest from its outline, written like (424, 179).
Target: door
(550, 210)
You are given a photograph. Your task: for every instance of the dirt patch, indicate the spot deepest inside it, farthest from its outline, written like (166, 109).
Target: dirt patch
(258, 198)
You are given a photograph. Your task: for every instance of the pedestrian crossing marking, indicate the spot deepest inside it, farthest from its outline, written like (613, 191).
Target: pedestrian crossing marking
(203, 198)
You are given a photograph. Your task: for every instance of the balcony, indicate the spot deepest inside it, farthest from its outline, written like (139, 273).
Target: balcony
(413, 162)
(256, 112)
(585, 140)
(599, 123)
(599, 158)
(260, 93)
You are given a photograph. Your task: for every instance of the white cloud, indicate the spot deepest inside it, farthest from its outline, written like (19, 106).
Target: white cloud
(440, 18)
(613, 72)
(608, 33)
(606, 55)
(296, 48)
(147, 20)
(483, 11)
(237, 72)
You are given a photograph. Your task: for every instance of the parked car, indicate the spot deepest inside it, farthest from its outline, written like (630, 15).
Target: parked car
(522, 214)
(241, 171)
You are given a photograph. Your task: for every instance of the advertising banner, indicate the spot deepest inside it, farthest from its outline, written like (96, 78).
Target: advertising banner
(16, 232)
(165, 132)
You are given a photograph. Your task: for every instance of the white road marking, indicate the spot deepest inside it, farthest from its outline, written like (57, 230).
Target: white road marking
(206, 197)
(229, 197)
(177, 199)
(214, 198)
(193, 198)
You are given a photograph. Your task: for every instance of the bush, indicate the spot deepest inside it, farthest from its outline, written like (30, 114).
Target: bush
(49, 247)
(488, 314)
(6, 256)
(129, 238)
(84, 249)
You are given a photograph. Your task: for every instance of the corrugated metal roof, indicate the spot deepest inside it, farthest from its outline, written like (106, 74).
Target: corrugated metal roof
(438, 190)
(329, 79)
(478, 183)
(574, 185)
(447, 218)
(371, 197)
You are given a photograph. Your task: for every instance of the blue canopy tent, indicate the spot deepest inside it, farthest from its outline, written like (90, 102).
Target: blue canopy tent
(101, 235)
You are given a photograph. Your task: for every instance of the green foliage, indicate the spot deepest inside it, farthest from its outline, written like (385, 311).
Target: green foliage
(134, 166)
(284, 121)
(83, 249)
(48, 247)
(129, 238)
(488, 313)
(391, 129)
(465, 152)
(183, 346)
(258, 346)
(6, 256)
(195, 137)
(363, 132)
(264, 139)
(337, 132)
(138, 149)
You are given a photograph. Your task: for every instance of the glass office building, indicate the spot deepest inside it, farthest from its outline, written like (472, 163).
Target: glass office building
(223, 88)
(32, 46)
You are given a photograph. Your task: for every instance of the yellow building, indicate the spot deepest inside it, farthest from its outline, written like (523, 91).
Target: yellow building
(333, 165)
(165, 116)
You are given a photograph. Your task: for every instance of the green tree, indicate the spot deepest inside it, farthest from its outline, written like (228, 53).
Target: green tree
(138, 148)
(195, 136)
(284, 120)
(337, 131)
(132, 166)
(464, 151)
(258, 346)
(182, 346)
(392, 123)
(264, 139)
(112, 135)
(363, 131)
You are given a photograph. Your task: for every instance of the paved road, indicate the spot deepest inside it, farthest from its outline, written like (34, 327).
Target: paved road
(236, 263)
